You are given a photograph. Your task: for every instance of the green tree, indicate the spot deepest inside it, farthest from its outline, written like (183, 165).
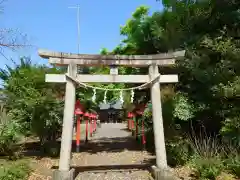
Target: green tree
(208, 90)
(35, 105)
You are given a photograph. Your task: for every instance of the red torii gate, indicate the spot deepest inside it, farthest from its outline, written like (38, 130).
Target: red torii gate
(130, 120)
(138, 111)
(80, 113)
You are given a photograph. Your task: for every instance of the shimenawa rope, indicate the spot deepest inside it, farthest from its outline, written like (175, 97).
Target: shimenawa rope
(108, 89)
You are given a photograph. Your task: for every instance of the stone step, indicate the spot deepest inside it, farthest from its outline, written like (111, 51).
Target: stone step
(110, 175)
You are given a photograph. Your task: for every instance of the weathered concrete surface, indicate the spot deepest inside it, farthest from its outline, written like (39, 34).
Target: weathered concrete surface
(112, 154)
(120, 60)
(112, 130)
(67, 127)
(86, 78)
(64, 175)
(160, 150)
(163, 174)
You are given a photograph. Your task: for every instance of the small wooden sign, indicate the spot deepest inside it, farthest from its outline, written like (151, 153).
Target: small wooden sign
(114, 71)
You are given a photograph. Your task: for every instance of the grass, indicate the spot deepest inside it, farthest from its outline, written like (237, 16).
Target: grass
(14, 170)
(211, 157)
(33, 166)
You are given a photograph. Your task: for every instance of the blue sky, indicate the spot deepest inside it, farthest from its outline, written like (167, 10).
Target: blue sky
(50, 24)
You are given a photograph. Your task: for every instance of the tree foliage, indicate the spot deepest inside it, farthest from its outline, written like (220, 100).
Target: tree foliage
(35, 105)
(208, 90)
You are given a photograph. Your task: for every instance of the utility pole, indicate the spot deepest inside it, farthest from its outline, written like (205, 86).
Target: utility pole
(78, 26)
(78, 51)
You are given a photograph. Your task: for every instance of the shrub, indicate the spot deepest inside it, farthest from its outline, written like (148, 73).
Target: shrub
(51, 148)
(232, 163)
(14, 170)
(231, 129)
(177, 151)
(204, 145)
(150, 140)
(207, 168)
(206, 155)
(34, 104)
(9, 137)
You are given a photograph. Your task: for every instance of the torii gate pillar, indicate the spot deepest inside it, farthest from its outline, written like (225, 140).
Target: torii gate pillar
(64, 172)
(161, 160)
(161, 170)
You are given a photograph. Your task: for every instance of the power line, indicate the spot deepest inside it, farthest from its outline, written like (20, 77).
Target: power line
(78, 25)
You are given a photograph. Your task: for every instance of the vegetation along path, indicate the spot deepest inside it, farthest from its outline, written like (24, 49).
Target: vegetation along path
(112, 154)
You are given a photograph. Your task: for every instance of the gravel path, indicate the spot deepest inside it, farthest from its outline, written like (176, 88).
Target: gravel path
(112, 154)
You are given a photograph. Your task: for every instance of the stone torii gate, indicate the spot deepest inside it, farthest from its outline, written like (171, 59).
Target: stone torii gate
(75, 60)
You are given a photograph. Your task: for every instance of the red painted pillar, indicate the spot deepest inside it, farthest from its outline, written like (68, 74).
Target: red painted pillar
(136, 129)
(87, 124)
(95, 121)
(91, 127)
(130, 116)
(133, 127)
(78, 134)
(86, 130)
(95, 124)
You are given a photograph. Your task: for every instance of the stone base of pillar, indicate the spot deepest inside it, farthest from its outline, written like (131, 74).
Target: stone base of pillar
(64, 175)
(163, 174)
